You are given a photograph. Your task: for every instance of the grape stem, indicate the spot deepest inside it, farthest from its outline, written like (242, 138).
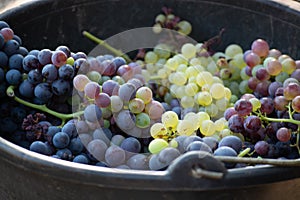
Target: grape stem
(107, 46)
(64, 117)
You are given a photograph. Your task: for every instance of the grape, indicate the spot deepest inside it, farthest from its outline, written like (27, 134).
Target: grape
(204, 98)
(283, 134)
(252, 124)
(267, 105)
(232, 50)
(136, 105)
(185, 127)
(184, 27)
(142, 120)
(226, 151)
(158, 130)
(243, 107)
(296, 104)
(80, 81)
(207, 128)
(43, 91)
(217, 91)
(92, 113)
(70, 129)
(198, 146)
(110, 87)
(262, 74)
(59, 58)
(251, 59)
(61, 140)
(157, 145)
(3, 59)
(155, 164)
(125, 120)
(260, 47)
(11, 47)
(291, 91)
(151, 57)
(50, 72)
(64, 49)
(145, 94)
(280, 103)
(116, 104)
(44, 56)
(229, 112)
(64, 154)
(154, 109)
(34, 77)
(66, 72)
(76, 146)
(236, 123)
(127, 92)
(81, 159)
(211, 142)
(102, 100)
(273, 88)
(97, 148)
(204, 78)
(188, 50)
(61, 87)
(13, 77)
(288, 66)
(170, 119)
(115, 156)
(92, 90)
(7, 33)
(261, 148)
(14, 62)
(126, 72)
(138, 161)
(131, 144)
(167, 155)
(39, 147)
(274, 67)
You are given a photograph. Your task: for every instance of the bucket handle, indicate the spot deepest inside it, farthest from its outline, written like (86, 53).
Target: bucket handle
(197, 165)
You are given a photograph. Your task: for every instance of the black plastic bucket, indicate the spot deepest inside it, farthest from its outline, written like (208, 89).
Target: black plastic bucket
(48, 23)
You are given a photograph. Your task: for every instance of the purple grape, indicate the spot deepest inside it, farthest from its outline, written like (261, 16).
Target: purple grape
(231, 141)
(131, 144)
(273, 88)
(229, 112)
(252, 124)
(226, 151)
(236, 124)
(243, 107)
(267, 105)
(261, 148)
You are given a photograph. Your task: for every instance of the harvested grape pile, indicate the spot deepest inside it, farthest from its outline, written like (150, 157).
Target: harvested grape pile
(144, 112)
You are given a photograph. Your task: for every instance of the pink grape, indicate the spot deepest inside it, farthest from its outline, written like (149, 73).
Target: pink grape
(252, 59)
(80, 81)
(7, 33)
(260, 47)
(154, 109)
(59, 58)
(102, 100)
(283, 134)
(296, 104)
(92, 89)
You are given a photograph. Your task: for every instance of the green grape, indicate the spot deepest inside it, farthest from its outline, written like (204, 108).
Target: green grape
(188, 50)
(194, 61)
(170, 119)
(222, 104)
(281, 77)
(243, 74)
(203, 116)
(216, 56)
(204, 78)
(168, 97)
(162, 51)
(142, 120)
(185, 127)
(151, 57)
(136, 105)
(181, 68)
(199, 47)
(191, 89)
(244, 88)
(151, 68)
(256, 104)
(161, 61)
(157, 145)
(227, 93)
(234, 87)
(212, 67)
(207, 128)
(158, 130)
(146, 74)
(205, 88)
(218, 80)
(217, 91)
(157, 28)
(80, 81)
(161, 18)
(70, 61)
(145, 94)
(187, 102)
(220, 124)
(195, 118)
(212, 110)
(162, 73)
(118, 79)
(179, 78)
(192, 80)
(288, 65)
(233, 49)
(173, 143)
(204, 98)
(181, 59)
(192, 71)
(180, 92)
(238, 61)
(185, 27)
(172, 64)
(225, 132)
(267, 60)
(103, 79)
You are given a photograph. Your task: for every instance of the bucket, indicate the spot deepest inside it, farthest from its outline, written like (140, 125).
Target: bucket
(195, 175)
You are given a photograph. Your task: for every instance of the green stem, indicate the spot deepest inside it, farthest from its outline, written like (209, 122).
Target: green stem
(278, 120)
(244, 152)
(107, 46)
(10, 92)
